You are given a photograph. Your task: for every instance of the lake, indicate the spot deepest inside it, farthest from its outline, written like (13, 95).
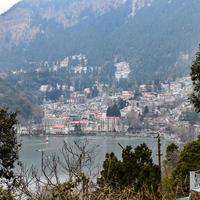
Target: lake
(32, 147)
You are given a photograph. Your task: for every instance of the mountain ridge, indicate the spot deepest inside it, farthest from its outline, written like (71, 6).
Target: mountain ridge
(157, 38)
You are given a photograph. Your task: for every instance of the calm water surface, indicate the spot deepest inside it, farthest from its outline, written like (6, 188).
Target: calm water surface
(32, 147)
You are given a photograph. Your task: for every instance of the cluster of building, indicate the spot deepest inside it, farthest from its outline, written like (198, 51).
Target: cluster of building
(122, 70)
(151, 113)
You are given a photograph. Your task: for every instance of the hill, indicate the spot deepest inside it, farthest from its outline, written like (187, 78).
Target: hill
(16, 100)
(157, 38)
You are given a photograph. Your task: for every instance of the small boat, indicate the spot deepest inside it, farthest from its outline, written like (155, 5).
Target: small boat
(39, 150)
(47, 139)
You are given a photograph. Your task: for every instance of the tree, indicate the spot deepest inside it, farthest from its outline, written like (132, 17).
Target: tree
(188, 161)
(113, 111)
(133, 119)
(5, 195)
(135, 170)
(137, 94)
(64, 191)
(94, 92)
(54, 95)
(157, 86)
(148, 174)
(195, 76)
(170, 162)
(121, 103)
(146, 110)
(172, 152)
(78, 129)
(111, 170)
(192, 117)
(9, 147)
(149, 87)
(189, 158)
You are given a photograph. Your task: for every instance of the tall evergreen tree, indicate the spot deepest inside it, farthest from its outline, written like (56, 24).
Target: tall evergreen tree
(9, 147)
(136, 170)
(195, 76)
(187, 161)
(113, 111)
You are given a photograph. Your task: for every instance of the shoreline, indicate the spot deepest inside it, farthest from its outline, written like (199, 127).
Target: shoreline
(111, 134)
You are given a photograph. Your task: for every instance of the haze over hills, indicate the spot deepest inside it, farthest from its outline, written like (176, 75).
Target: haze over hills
(157, 38)
(16, 99)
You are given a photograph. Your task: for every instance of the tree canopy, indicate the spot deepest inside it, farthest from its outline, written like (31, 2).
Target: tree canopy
(188, 160)
(9, 147)
(136, 170)
(195, 76)
(113, 111)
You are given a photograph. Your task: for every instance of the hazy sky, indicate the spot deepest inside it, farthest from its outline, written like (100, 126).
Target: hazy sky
(6, 4)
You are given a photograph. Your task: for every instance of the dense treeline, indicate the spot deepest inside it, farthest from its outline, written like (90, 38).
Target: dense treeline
(15, 98)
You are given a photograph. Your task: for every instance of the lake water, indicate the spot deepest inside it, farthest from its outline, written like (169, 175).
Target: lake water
(32, 147)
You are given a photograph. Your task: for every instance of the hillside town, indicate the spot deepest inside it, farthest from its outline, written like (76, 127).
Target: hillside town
(99, 100)
(162, 108)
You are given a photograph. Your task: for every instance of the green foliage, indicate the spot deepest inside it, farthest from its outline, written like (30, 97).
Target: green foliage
(5, 195)
(157, 86)
(135, 170)
(78, 129)
(94, 92)
(113, 111)
(53, 95)
(108, 193)
(188, 160)
(146, 110)
(63, 191)
(122, 103)
(14, 98)
(192, 117)
(149, 87)
(172, 150)
(195, 76)
(107, 73)
(169, 164)
(137, 94)
(168, 190)
(124, 84)
(110, 172)
(9, 147)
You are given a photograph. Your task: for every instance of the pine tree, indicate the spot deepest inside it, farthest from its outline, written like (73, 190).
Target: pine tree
(195, 76)
(187, 161)
(9, 147)
(135, 170)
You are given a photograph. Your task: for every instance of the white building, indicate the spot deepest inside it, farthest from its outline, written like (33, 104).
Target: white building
(122, 70)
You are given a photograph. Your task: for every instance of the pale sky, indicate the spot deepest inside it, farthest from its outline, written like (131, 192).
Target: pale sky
(6, 4)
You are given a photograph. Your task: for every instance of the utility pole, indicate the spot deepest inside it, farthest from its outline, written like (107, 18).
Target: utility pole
(159, 160)
(121, 146)
(159, 152)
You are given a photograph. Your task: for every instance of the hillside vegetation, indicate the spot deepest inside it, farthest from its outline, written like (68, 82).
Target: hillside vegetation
(157, 38)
